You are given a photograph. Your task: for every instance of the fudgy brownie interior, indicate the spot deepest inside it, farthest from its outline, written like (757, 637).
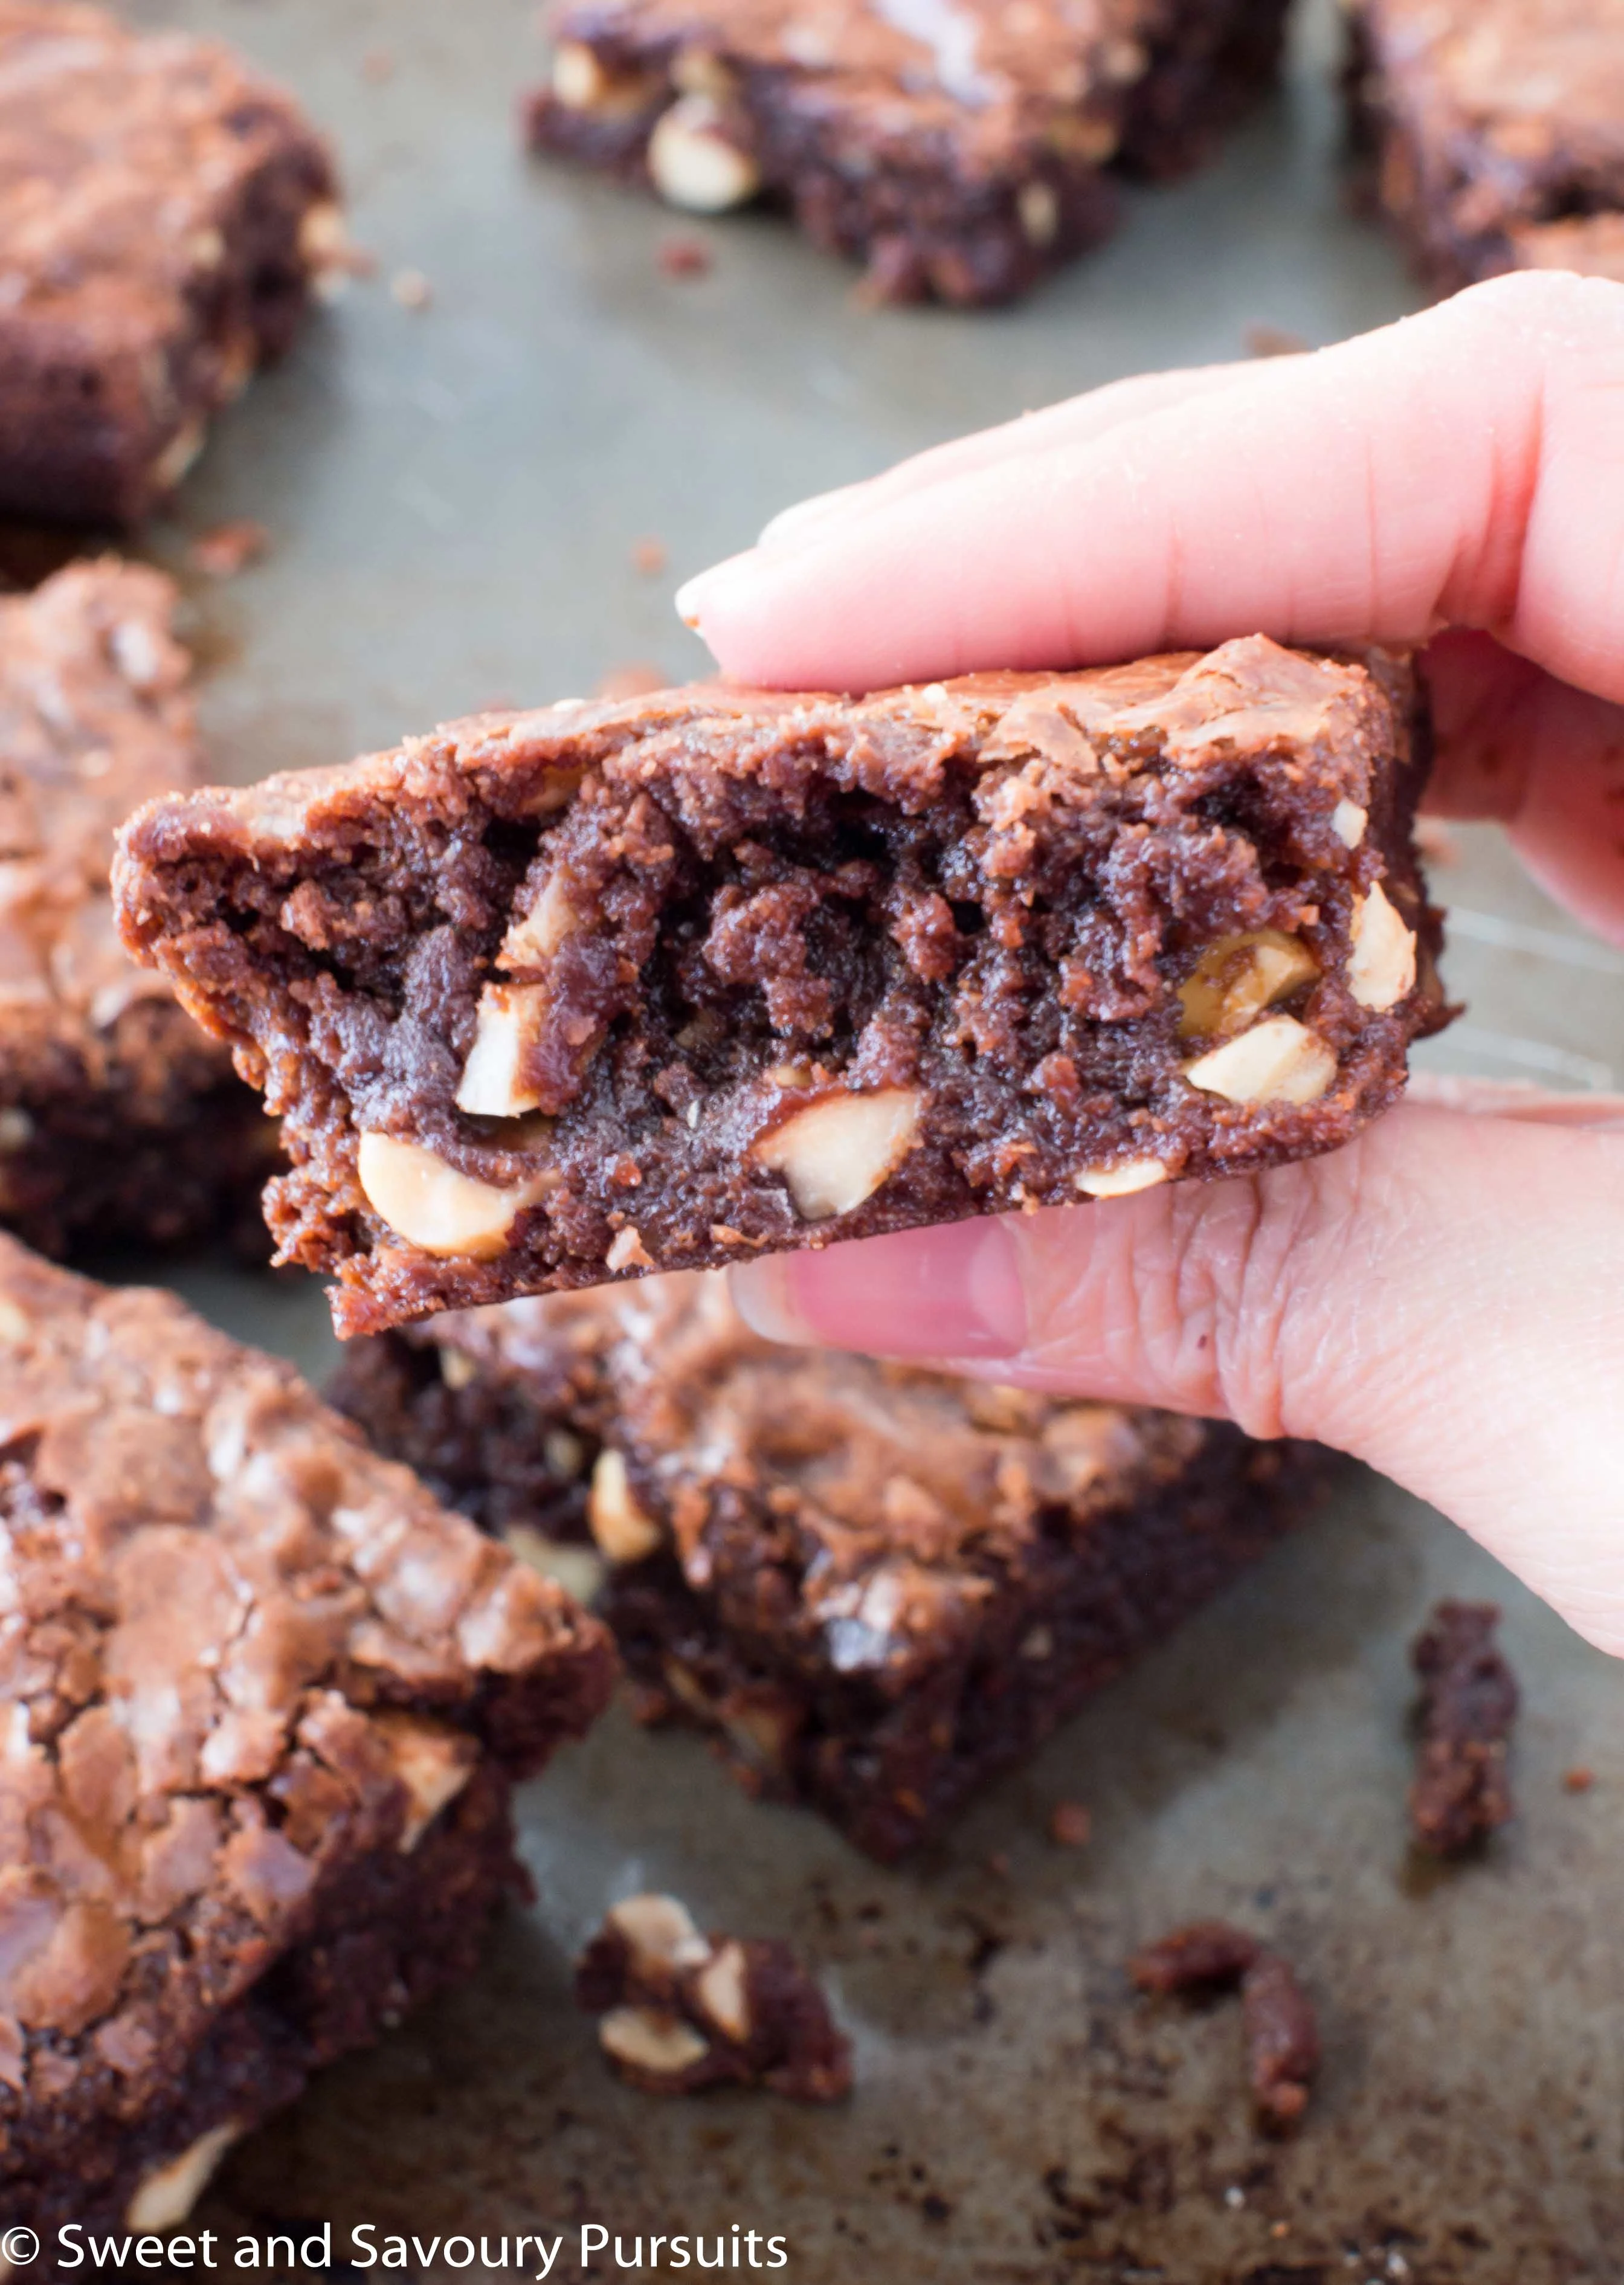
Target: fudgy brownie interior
(550, 999)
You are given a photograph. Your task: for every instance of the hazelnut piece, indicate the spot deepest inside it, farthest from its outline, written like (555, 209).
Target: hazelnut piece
(1237, 978)
(722, 1990)
(1278, 1061)
(508, 1025)
(657, 2045)
(622, 1528)
(433, 1764)
(660, 1932)
(1122, 1179)
(1382, 968)
(693, 163)
(1348, 822)
(839, 1150)
(167, 2196)
(431, 1204)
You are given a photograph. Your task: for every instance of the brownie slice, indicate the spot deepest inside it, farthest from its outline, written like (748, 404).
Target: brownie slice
(875, 1586)
(552, 998)
(119, 1119)
(265, 1703)
(163, 214)
(959, 152)
(1493, 132)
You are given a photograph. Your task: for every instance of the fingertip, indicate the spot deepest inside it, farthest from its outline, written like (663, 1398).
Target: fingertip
(956, 1291)
(764, 1294)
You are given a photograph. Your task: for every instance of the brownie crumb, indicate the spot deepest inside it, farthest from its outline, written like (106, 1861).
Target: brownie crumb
(1274, 342)
(1203, 1957)
(1283, 2038)
(411, 290)
(685, 257)
(1580, 1780)
(635, 680)
(229, 547)
(1469, 1701)
(680, 2011)
(650, 557)
(1070, 1825)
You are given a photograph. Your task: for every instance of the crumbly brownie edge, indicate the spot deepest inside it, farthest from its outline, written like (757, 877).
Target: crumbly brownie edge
(151, 1140)
(923, 229)
(385, 1933)
(893, 1772)
(313, 920)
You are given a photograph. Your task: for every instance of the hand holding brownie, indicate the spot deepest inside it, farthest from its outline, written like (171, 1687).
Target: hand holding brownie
(1442, 1298)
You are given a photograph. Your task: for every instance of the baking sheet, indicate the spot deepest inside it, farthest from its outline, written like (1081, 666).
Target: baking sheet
(456, 496)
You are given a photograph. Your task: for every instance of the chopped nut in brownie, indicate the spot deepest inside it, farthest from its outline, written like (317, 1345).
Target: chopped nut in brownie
(960, 152)
(552, 999)
(164, 215)
(265, 1703)
(874, 1587)
(1469, 1699)
(1283, 2038)
(1493, 132)
(119, 1119)
(679, 2011)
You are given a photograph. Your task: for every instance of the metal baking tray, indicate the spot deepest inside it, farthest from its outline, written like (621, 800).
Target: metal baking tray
(458, 497)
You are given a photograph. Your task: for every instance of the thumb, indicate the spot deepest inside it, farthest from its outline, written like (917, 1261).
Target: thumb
(1444, 1298)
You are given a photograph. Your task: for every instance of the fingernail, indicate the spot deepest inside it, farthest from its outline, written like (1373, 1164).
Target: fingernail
(697, 594)
(950, 1292)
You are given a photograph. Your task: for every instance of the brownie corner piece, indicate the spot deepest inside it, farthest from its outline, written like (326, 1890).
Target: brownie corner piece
(552, 999)
(164, 215)
(119, 1121)
(959, 155)
(266, 1702)
(1481, 136)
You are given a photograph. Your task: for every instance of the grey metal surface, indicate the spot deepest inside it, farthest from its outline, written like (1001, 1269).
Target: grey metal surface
(454, 495)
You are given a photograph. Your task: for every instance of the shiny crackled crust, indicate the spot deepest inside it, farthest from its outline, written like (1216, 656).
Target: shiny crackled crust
(265, 1700)
(119, 1119)
(1493, 131)
(164, 213)
(960, 152)
(550, 999)
(874, 1585)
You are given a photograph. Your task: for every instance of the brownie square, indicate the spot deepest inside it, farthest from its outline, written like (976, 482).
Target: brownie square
(265, 1702)
(959, 152)
(1495, 131)
(119, 1119)
(549, 999)
(163, 213)
(874, 1586)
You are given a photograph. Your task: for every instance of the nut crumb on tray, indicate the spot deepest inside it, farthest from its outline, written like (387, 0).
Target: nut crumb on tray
(679, 2011)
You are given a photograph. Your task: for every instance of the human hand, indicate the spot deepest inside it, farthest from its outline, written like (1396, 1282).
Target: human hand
(1445, 1298)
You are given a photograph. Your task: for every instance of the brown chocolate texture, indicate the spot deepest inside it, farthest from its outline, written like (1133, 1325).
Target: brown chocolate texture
(118, 1117)
(1495, 131)
(549, 999)
(873, 1586)
(163, 214)
(264, 1702)
(959, 148)
(1461, 1791)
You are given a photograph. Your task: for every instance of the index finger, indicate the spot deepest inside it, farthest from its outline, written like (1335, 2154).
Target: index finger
(1463, 468)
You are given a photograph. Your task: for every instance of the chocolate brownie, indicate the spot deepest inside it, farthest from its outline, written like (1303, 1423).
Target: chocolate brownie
(118, 1117)
(163, 214)
(549, 999)
(959, 148)
(680, 2011)
(1469, 1701)
(265, 1702)
(874, 1586)
(1495, 131)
